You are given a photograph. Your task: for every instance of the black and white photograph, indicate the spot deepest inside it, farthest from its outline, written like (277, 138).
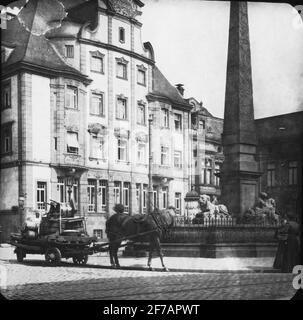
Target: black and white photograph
(151, 150)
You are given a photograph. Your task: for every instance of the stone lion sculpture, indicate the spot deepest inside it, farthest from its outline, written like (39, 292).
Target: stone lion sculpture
(210, 210)
(264, 210)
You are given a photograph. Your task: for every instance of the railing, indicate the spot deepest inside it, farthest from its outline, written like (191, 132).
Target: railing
(180, 221)
(220, 230)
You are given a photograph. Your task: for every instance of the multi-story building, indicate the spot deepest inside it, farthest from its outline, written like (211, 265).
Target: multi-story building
(78, 87)
(279, 155)
(280, 158)
(78, 90)
(207, 152)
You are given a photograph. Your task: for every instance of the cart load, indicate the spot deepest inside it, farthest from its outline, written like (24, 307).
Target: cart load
(55, 235)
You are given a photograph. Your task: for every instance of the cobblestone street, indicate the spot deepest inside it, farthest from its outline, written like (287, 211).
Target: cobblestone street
(35, 280)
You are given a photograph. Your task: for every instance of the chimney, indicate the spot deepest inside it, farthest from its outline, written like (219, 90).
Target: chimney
(180, 88)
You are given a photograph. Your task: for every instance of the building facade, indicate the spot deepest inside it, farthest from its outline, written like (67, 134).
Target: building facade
(279, 156)
(280, 159)
(76, 100)
(78, 90)
(207, 152)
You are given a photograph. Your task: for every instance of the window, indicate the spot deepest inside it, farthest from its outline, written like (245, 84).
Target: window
(69, 51)
(102, 194)
(208, 171)
(41, 195)
(217, 171)
(144, 197)
(61, 190)
(155, 197)
(121, 70)
(126, 196)
(164, 198)
(141, 152)
(71, 97)
(97, 105)
(72, 142)
(201, 124)
(178, 202)
(121, 35)
(203, 172)
(177, 159)
(292, 172)
(6, 95)
(141, 77)
(164, 156)
(56, 143)
(195, 153)
(271, 174)
(141, 114)
(74, 193)
(6, 138)
(97, 62)
(165, 117)
(69, 191)
(117, 187)
(178, 122)
(91, 194)
(122, 149)
(97, 147)
(121, 112)
(98, 233)
(138, 197)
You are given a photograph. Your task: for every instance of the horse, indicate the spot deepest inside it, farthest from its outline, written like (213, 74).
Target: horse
(138, 227)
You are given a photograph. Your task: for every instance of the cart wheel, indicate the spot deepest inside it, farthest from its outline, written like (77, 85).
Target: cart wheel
(80, 259)
(20, 254)
(53, 256)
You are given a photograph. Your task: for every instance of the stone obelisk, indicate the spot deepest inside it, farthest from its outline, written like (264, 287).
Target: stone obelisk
(240, 169)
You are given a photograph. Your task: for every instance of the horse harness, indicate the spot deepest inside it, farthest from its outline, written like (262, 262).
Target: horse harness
(160, 222)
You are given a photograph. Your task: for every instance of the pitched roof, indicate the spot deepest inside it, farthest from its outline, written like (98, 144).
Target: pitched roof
(25, 33)
(163, 88)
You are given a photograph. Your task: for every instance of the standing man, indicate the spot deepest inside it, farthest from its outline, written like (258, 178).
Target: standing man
(288, 253)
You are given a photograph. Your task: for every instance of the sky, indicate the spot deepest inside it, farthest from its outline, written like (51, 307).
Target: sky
(190, 39)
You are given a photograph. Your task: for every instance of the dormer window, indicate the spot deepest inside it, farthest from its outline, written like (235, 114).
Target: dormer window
(121, 35)
(69, 51)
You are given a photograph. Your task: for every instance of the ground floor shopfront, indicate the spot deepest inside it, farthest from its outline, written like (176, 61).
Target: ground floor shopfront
(93, 192)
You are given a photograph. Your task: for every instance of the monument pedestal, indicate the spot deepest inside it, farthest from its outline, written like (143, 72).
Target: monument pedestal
(240, 190)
